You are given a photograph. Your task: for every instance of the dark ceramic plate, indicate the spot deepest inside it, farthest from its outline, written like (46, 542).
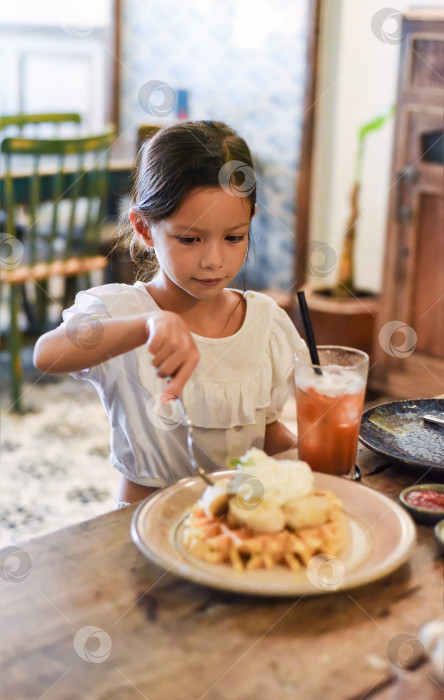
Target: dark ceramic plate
(397, 430)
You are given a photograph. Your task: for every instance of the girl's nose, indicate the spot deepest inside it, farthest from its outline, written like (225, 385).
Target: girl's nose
(212, 257)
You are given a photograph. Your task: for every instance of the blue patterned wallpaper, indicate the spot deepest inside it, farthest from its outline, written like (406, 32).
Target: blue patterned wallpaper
(242, 62)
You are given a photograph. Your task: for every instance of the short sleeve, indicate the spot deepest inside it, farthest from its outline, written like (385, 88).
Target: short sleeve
(86, 303)
(284, 342)
(279, 397)
(109, 300)
(82, 320)
(82, 323)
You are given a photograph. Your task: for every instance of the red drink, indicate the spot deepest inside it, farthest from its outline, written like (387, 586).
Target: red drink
(329, 401)
(328, 430)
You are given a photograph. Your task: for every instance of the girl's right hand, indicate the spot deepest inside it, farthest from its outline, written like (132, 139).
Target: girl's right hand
(174, 350)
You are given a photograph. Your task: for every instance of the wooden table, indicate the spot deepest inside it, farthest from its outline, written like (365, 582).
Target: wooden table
(169, 638)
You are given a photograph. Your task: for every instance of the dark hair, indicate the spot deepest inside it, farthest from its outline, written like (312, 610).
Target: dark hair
(177, 160)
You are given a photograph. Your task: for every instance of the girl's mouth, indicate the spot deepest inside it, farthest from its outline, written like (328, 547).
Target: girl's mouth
(209, 282)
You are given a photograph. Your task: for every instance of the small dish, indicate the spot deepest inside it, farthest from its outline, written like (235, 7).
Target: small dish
(439, 534)
(422, 515)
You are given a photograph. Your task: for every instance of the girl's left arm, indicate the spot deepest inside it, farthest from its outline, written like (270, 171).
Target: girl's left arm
(278, 438)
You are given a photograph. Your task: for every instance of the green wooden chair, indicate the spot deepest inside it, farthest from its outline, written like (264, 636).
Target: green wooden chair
(58, 197)
(39, 125)
(23, 121)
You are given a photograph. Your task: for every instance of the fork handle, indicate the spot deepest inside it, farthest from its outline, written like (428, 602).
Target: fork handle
(436, 420)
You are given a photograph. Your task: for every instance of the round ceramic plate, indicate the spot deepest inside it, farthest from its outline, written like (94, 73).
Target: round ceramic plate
(381, 537)
(397, 430)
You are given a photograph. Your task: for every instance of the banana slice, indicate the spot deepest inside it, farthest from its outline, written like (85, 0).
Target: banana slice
(315, 509)
(215, 499)
(266, 517)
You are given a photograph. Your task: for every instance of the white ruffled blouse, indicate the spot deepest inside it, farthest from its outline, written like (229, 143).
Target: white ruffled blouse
(239, 386)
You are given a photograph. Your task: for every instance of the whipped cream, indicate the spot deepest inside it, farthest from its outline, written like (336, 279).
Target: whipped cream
(281, 480)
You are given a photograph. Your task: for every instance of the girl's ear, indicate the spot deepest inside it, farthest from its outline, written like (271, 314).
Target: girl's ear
(255, 211)
(141, 228)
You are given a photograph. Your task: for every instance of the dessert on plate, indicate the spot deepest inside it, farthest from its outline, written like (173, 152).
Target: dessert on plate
(268, 513)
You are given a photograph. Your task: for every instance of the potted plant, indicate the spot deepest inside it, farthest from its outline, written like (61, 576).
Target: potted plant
(345, 314)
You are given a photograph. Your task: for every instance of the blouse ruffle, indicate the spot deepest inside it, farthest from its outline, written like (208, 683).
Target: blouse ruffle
(238, 375)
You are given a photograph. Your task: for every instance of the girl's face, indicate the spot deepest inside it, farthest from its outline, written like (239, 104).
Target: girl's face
(203, 245)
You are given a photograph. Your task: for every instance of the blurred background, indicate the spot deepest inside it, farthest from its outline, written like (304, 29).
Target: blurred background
(242, 62)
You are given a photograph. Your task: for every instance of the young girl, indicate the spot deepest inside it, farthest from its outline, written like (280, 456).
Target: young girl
(184, 333)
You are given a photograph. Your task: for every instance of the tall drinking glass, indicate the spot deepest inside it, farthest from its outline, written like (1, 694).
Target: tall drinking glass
(329, 403)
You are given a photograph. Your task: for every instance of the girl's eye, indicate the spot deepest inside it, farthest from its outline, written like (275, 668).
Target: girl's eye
(186, 240)
(235, 239)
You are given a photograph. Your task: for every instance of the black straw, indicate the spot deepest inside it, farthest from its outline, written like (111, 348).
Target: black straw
(309, 331)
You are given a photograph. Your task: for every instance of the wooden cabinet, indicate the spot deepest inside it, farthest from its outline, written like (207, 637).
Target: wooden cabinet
(409, 347)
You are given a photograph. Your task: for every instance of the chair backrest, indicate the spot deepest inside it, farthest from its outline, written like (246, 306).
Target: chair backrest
(48, 125)
(144, 133)
(57, 198)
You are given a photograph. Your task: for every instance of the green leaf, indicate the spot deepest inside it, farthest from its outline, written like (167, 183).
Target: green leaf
(363, 131)
(376, 123)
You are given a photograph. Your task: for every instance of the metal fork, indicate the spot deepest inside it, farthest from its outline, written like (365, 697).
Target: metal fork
(435, 420)
(189, 429)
